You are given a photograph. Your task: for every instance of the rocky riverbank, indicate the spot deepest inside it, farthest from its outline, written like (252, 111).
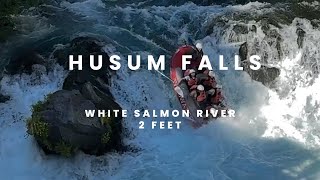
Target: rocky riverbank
(59, 123)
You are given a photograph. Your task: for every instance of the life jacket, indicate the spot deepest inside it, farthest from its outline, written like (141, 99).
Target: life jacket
(187, 72)
(201, 96)
(194, 87)
(217, 98)
(193, 81)
(210, 82)
(206, 72)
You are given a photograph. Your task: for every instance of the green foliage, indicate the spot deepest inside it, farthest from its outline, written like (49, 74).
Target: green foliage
(106, 120)
(40, 130)
(37, 127)
(38, 107)
(64, 149)
(105, 138)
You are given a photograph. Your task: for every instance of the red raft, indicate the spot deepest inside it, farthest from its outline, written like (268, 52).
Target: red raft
(180, 86)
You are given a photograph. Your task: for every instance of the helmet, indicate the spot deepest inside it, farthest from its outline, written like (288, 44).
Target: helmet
(211, 74)
(199, 46)
(212, 110)
(192, 71)
(211, 91)
(200, 88)
(218, 86)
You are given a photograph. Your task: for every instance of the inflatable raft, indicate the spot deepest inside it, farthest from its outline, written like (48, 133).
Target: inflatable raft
(180, 86)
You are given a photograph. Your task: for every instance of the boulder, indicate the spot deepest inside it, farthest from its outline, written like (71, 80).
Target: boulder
(90, 81)
(265, 74)
(61, 118)
(59, 124)
(84, 46)
(4, 98)
(241, 29)
(243, 51)
(301, 34)
(253, 28)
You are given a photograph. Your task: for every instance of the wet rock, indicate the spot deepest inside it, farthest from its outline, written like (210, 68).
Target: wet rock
(84, 46)
(243, 51)
(274, 39)
(265, 27)
(273, 33)
(4, 98)
(60, 126)
(265, 74)
(93, 85)
(253, 28)
(62, 116)
(301, 34)
(315, 23)
(241, 29)
(103, 100)
(22, 62)
(76, 79)
(216, 22)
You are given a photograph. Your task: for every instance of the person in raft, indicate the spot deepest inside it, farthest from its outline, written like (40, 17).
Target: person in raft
(215, 98)
(191, 79)
(197, 53)
(200, 96)
(210, 81)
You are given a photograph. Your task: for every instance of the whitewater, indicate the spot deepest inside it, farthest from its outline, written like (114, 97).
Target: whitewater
(274, 136)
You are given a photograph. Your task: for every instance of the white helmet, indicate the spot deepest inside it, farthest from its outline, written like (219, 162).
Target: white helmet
(200, 88)
(199, 46)
(192, 71)
(218, 86)
(212, 110)
(211, 74)
(211, 91)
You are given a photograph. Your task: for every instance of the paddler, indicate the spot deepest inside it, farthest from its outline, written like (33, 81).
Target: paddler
(200, 96)
(190, 77)
(217, 98)
(210, 82)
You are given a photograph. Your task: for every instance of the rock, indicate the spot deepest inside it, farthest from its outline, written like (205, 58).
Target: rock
(241, 29)
(60, 126)
(315, 23)
(253, 28)
(84, 46)
(265, 74)
(62, 116)
(216, 22)
(243, 51)
(78, 79)
(4, 98)
(301, 34)
(274, 39)
(23, 62)
(265, 27)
